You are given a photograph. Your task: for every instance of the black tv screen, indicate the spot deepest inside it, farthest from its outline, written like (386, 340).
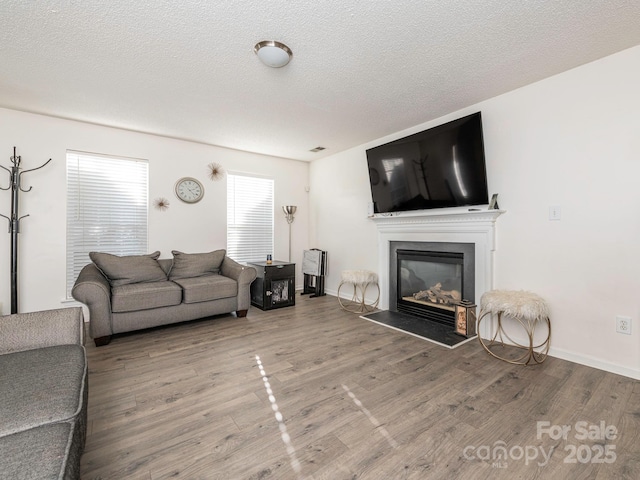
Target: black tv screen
(440, 167)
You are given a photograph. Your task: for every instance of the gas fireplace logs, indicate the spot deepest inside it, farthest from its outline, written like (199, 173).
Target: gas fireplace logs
(436, 295)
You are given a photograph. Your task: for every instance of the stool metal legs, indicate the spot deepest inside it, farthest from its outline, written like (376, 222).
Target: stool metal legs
(532, 353)
(357, 304)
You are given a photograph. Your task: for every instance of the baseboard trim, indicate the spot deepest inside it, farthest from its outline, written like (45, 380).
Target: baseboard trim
(595, 363)
(587, 361)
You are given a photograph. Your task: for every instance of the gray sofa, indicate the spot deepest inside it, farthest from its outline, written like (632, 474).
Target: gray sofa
(43, 394)
(130, 293)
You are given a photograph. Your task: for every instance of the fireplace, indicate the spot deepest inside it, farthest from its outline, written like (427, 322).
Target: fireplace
(429, 284)
(465, 231)
(429, 278)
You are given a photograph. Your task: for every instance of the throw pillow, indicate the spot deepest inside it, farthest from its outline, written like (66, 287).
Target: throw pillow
(130, 268)
(190, 265)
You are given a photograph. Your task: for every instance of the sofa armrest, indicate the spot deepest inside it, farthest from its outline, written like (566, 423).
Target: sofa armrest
(28, 331)
(240, 273)
(244, 276)
(93, 289)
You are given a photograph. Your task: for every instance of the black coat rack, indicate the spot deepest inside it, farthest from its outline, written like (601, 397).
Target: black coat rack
(15, 177)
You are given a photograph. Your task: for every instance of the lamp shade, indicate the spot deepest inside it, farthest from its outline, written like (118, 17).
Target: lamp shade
(273, 54)
(289, 209)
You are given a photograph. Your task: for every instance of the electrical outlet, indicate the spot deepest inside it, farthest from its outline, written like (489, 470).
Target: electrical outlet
(623, 325)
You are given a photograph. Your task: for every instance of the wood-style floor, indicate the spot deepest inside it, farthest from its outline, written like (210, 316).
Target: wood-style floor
(314, 392)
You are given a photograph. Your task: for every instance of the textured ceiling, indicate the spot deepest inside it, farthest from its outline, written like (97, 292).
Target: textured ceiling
(360, 69)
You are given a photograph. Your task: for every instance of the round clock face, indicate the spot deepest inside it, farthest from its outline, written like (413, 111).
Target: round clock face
(189, 190)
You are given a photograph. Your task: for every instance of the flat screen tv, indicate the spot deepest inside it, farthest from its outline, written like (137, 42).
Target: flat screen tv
(440, 167)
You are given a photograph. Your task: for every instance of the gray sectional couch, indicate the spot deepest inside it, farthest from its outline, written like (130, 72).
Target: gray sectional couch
(130, 293)
(43, 394)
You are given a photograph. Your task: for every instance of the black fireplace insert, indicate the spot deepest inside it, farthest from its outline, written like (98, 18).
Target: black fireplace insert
(428, 279)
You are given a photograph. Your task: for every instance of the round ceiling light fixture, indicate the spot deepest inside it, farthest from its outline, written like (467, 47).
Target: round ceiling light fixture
(273, 54)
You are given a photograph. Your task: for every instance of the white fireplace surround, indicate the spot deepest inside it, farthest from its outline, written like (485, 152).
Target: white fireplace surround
(477, 227)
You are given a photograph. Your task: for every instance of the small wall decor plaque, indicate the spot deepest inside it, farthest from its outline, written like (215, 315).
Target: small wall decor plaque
(493, 204)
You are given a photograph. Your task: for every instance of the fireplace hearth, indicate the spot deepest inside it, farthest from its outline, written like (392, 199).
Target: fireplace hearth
(427, 281)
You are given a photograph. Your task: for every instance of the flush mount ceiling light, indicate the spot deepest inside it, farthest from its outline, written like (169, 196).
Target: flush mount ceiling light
(273, 54)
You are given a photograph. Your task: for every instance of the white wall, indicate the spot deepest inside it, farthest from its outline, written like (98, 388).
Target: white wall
(191, 228)
(571, 140)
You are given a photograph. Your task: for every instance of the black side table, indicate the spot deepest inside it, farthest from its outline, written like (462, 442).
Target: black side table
(275, 285)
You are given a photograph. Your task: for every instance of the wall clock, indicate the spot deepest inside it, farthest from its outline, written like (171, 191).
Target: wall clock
(189, 190)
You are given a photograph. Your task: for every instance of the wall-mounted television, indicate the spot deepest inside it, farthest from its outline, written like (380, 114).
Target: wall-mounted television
(440, 167)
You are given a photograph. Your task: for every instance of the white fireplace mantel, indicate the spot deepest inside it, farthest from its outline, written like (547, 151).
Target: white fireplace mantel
(468, 226)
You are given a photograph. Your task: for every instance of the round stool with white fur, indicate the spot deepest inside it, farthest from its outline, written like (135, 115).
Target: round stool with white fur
(360, 281)
(528, 310)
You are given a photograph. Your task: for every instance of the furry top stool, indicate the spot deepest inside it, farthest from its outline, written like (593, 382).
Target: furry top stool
(529, 310)
(359, 280)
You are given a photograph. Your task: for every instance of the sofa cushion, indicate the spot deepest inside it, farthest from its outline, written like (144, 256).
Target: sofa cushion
(203, 289)
(41, 386)
(129, 269)
(143, 296)
(190, 265)
(43, 452)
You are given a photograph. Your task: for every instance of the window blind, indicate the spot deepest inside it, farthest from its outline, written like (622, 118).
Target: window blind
(249, 218)
(107, 208)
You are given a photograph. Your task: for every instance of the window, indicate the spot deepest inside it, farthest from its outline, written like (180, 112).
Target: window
(106, 208)
(249, 218)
